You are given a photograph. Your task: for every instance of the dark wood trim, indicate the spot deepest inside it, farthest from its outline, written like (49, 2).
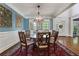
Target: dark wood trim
(65, 36)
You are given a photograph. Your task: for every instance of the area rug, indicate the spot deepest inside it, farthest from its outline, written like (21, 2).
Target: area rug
(44, 52)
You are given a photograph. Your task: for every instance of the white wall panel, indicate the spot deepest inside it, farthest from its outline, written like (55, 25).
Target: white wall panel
(8, 39)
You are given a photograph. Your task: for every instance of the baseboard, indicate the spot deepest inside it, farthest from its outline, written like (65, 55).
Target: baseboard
(7, 51)
(65, 36)
(4, 49)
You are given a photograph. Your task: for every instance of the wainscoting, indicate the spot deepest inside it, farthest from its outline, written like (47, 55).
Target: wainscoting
(8, 39)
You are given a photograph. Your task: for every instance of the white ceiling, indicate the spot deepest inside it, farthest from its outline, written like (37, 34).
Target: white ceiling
(46, 9)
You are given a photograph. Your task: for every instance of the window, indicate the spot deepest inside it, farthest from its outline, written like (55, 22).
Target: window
(35, 26)
(45, 25)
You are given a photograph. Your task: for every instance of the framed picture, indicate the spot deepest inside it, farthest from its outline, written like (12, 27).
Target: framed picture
(19, 21)
(5, 17)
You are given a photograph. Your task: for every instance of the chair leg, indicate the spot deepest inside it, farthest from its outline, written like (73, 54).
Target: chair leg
(20, 50)
(34, 46)
(48, 51)
(54, 48)
(26, 50)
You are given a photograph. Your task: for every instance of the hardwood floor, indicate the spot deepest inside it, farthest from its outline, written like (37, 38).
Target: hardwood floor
(69, 44)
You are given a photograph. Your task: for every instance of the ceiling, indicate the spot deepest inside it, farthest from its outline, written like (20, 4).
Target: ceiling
(46, 9)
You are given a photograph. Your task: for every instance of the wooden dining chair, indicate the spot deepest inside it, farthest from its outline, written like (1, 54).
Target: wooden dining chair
(43, 41)
(27, 33)
(23, 43)
(53, 39)
(28, 38)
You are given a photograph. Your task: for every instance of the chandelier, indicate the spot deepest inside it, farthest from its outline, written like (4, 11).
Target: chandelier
(38, 18)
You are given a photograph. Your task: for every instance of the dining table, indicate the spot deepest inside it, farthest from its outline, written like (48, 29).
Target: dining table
(33, 37)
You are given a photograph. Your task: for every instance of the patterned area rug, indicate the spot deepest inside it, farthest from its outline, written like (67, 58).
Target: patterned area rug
(44, 52)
